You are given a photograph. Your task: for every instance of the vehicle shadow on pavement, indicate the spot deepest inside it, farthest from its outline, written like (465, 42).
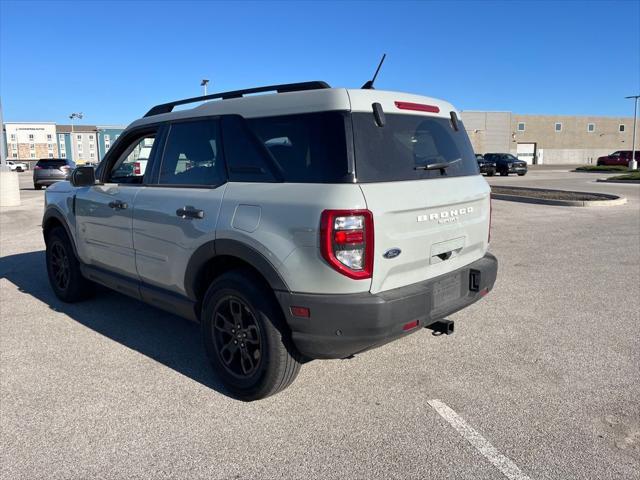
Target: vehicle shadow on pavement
(163, 337)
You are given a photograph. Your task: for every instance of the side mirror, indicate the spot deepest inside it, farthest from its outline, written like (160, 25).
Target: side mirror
(83, 177)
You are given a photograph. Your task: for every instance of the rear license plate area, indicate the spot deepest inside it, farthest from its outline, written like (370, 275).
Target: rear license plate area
(446, 291)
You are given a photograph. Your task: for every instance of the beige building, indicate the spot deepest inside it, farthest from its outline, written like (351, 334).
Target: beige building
(28, 142)
(549, 139)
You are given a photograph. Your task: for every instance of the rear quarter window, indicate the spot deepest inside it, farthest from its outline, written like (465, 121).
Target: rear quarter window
(306, 148)
(406, 144)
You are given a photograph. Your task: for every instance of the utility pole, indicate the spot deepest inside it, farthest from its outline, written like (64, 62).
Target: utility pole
(633, 164)
(204, 84)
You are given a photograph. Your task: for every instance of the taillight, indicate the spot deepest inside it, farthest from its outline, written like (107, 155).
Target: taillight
(346, 241)
(136, 168)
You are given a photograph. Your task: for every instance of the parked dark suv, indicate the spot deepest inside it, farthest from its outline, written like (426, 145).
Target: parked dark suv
(620, 157)
(486, 166)
(51, 170)
(507, 163)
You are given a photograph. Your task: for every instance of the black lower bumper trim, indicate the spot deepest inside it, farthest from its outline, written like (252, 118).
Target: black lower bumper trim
(342, 325)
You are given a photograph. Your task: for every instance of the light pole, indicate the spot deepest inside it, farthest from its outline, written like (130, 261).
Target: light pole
(3, 152)
(73, 116)
(633, 164)
(204, 84)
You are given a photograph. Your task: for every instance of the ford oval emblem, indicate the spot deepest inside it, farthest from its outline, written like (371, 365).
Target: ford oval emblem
(392, 253)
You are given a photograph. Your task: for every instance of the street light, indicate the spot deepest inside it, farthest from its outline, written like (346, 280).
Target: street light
(72, 117)
(204, 84)
(633, 164)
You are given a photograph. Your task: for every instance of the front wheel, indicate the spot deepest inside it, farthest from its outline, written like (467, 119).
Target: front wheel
(490, 174)
(521, 174)
(503, 173)
(246, 337)
(63, 268)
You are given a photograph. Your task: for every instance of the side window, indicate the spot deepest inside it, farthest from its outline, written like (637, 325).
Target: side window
(132, 164)
(246, 161)
(308, 148)
(192, 155)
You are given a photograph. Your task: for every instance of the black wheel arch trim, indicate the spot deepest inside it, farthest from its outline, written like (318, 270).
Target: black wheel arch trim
(231, 248)
(54, 213)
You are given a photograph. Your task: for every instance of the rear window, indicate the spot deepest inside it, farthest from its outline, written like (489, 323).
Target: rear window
(52, 163)
(406, 144)
(306, 148)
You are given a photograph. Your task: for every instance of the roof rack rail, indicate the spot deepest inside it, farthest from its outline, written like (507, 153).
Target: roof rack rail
(285, 87)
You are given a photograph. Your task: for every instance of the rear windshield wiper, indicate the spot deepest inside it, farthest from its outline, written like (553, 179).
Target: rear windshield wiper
(437, 166)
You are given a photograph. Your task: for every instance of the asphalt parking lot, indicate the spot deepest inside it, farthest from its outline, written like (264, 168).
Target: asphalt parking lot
(544, 372)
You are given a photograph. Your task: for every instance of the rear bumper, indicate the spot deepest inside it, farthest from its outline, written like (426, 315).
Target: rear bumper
(343, 325)
(45, 181)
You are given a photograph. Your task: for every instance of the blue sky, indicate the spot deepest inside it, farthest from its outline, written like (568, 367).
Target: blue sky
(114, 60)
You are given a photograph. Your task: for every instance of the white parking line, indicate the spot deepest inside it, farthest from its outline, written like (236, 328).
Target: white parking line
(502, 463)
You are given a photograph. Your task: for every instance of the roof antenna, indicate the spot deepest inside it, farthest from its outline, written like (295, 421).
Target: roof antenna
(369, 84)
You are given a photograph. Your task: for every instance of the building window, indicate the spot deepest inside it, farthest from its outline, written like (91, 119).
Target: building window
(63, 154)
(14, 146)
(32, 146)
(106, 137)
(92, 154)
(90, 137)
(13, 137)
(107, 146)
(31, 137)
(50, 155)
(591, 127)
(61, 146)
(79, 137)
(50, 146)
(521, 126)
(48, 137)
(32, 155)
(92, 146)
(558, 127)
(14, 155)
(61, 137)
(621, 128)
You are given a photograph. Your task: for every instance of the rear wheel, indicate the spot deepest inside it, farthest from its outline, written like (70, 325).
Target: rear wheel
(63, 268)
(246, 338)
(490, 174)
(504, 173)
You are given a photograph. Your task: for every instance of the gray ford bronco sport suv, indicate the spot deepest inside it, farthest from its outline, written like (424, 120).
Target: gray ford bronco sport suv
(309, 223)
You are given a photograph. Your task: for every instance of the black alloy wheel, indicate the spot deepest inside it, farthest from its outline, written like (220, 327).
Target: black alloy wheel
(60, 267)
(236, 336)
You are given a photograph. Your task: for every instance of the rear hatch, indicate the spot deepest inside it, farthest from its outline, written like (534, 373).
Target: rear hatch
(420, 179)
(53, 168)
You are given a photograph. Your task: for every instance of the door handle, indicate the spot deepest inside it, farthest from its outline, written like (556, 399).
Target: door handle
(190, 212)
(118, 205)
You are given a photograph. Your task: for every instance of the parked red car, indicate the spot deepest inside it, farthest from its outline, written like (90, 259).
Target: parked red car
(621, 157)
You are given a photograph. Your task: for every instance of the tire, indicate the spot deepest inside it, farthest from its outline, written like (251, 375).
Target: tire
(38, 187)
(261, 360)
(504, 174)
(521, 174)
(490, 174)
(63, 269)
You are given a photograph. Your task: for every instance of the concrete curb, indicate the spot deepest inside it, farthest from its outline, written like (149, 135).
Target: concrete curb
(604, 180)
(608, 200)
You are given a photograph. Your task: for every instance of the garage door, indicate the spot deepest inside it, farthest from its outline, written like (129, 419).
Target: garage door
(526, 152)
